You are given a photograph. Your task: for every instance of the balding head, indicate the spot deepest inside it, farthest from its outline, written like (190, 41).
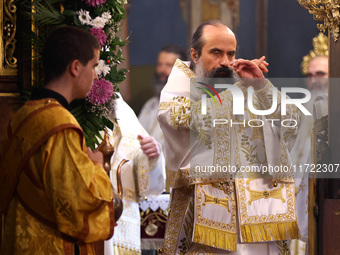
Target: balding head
(197, 41)
(213, 49)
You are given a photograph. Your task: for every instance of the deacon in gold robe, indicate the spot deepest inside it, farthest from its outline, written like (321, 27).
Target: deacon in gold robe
(55, 194)
(216, 206)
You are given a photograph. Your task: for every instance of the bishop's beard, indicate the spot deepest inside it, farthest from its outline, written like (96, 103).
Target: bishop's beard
(158, 84)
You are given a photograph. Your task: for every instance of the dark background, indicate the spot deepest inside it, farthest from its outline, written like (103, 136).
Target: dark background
(155, 23)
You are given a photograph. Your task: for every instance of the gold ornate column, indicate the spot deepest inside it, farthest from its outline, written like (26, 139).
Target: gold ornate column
(8, 61)
(8, 66)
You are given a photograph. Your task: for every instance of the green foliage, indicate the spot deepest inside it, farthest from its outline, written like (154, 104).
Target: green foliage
(49, 14)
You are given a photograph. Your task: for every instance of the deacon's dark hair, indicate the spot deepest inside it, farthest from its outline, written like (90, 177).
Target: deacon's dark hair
(197, 38)
(175, 49)
(63, 46)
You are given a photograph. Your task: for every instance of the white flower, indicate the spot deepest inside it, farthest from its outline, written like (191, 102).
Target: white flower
(102, 68)
(106, 16)
(84, 17)
(111, 33)
(98, 22)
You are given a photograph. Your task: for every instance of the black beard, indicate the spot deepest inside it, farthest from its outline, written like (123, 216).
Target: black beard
(157, 85)
(222, 72)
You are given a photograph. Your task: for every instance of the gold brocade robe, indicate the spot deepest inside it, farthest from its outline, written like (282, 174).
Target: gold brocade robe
(211, 212)
(62, 197)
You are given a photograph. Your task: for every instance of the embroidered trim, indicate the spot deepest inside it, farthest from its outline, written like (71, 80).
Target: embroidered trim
(222, 137)
(180, 111)
(166, 105)
(129, 194)
(185, 177)
(122, 249)
(142, 177)
(280, 226)
(184, 68)
(180, 204)
(214, 232)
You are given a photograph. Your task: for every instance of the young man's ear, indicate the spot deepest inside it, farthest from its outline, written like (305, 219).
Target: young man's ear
(74, 67)
(194, 55)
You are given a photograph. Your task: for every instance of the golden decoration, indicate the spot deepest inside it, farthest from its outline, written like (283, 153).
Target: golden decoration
(107, 149)
(320, 48)
(214, 200)
(151, 220)
(151, 229)
(8, 30)
(185, 69)
(9, 94)
(326, 11)
(256, 195)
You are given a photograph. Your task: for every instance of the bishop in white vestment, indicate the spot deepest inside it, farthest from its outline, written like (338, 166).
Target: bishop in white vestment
(214, 213)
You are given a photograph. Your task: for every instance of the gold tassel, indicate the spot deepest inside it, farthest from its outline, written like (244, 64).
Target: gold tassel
(121, 249)
(270, 232)
(215, 237)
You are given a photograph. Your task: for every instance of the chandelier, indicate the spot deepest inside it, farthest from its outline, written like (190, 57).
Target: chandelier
(326, 11)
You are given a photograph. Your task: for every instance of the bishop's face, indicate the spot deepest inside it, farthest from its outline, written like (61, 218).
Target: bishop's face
(218, 52)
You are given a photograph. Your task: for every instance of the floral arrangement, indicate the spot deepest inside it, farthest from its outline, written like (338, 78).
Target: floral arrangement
(103, 18)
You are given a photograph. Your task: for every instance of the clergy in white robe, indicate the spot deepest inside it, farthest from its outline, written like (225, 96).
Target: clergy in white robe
(214, 213)
(141, 177)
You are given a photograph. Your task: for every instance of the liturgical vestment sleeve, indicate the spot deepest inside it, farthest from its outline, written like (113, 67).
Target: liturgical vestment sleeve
(79, 190)
(62, 197)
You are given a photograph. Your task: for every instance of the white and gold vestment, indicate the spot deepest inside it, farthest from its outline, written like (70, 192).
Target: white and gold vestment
(141, 178)
(148, 118)
(215, 212)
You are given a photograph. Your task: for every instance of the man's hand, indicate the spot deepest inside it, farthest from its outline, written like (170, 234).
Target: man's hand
(250, 73)
(149, 146)
(261, 63)
(95, 156)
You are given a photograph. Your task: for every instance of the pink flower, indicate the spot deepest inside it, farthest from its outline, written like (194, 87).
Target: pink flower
(101, 92)
(94, 3)
(100, 34)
